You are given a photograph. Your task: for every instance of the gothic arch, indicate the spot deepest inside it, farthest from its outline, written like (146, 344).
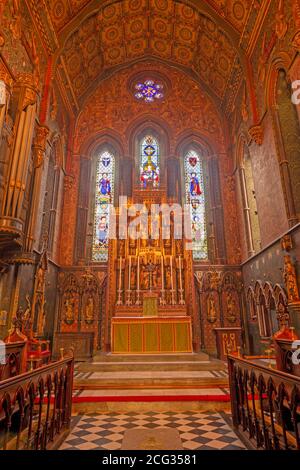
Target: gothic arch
(280, 62)
(86, 192)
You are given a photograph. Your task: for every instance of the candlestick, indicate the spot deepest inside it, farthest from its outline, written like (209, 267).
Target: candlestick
(138, 302)
(119, 302)
(172, 283)
(138, 273)
(162, 300)
(162, 275)
(180, 278)
(181, 301)
(120, 273)
(129, 273)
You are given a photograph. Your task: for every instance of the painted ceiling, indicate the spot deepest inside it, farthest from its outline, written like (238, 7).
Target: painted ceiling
(205, 38)
(235, 11)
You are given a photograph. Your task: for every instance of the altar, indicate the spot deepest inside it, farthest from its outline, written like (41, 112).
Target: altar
(150, 306)
(151, 335)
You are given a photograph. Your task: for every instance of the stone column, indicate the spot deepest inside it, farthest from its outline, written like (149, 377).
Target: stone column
(126, 175)
(246, 208)
(217, 210)
(27, 95)
(5, 95)
(285, 171)
(39, 150)
(173, 178)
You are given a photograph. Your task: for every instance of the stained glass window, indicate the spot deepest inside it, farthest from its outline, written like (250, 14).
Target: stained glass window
(149, 162)
(104, 195)
(148, 91)
(195, 198)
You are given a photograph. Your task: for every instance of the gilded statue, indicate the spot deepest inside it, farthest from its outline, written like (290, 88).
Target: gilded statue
(132, 278)
(231, 307)
(168, 278)
(89, 310)
(290, 279)
(145, 279)
(211, 309)
(69, 311)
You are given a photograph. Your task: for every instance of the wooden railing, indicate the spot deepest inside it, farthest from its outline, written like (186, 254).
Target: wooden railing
(265, 405)
(15, 360)
(35, 407)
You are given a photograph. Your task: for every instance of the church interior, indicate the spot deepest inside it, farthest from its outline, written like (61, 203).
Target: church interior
(150, 225)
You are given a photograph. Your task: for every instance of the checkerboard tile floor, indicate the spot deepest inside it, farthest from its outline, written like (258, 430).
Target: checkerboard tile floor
(198, 430)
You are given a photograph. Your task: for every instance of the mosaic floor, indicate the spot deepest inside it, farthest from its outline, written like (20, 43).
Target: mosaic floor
(195, 431)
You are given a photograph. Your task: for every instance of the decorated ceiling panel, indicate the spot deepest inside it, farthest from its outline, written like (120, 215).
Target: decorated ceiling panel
(133, 29)
(234, 11)
(63, 11)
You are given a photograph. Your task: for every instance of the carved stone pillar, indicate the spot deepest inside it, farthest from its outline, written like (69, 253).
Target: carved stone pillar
(10, 220)
(173, 178)
(126, 177)
(39, 150)
(217, 210)
(285, 171)
(246, 208)
(82, 211)
(5, 94)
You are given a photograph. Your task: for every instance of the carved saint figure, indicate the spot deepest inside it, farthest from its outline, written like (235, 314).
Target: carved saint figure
(211, 309)
(231, 307)
(290, 280)
(132, 279)
(89, 310)
(168, 278)
(69, 311)
(145, 279)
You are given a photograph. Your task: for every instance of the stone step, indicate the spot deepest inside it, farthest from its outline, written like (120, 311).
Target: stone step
(150, 366)
(149, 379)
(108, 357)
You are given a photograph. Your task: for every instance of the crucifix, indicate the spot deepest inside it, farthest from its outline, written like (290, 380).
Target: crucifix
(150, 268)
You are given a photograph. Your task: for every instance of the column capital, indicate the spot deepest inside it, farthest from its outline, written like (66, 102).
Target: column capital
(27, 83)
(39, 144)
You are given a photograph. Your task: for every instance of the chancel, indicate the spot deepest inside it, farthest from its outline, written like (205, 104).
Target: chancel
(149, 225)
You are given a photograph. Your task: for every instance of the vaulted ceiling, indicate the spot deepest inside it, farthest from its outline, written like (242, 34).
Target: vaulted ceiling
(203, 37)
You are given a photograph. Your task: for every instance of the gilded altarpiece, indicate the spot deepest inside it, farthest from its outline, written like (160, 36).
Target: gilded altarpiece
(155, 269)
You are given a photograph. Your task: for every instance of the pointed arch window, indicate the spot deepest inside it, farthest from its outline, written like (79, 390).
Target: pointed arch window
(104, 196)
(149, 162)
(195, 198)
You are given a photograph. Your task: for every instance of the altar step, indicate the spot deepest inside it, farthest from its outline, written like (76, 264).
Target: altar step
(150, 379)
(151, 364)
(173, 382)
(187, 357)
(150, 372)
